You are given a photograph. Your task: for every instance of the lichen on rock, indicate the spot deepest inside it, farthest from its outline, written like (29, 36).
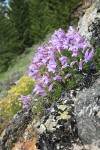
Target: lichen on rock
(89, 24)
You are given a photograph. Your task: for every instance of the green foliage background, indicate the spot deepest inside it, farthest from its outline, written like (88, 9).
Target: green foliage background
(24, 23)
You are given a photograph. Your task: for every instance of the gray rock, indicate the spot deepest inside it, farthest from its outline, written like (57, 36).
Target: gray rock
(65, 127)
(87, 110)
(89, 24)
(57, 129)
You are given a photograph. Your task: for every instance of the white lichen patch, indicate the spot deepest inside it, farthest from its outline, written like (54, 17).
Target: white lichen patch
(62, 107)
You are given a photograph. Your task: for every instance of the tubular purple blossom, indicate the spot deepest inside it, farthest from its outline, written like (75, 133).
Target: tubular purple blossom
(57, 77)
(64, 66)
(80, 65)
(51, 87)
(26, 101)
(68, 75)
(88, 56)
(63, 60)
(72, 64)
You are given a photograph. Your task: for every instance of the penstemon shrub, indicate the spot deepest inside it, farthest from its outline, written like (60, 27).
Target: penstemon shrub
(59, 59)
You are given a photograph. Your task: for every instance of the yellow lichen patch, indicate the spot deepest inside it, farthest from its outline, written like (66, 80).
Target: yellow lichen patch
(62, 107)
(50, 124)
(98, 114)
(64, 115)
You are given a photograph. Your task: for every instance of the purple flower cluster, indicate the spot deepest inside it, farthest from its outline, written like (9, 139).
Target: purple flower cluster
(52, 61)
(26, 101)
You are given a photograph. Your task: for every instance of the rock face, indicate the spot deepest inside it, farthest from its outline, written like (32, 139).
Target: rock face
(89, 24)
(72, 123)
(15, 130)
(87, 110)
(58, 129)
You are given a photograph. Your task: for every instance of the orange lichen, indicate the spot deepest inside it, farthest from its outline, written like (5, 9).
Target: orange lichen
(28, 145)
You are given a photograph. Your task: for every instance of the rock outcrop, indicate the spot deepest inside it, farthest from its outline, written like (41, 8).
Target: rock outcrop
(72, 123)
(87, 112)
(89, 24)
(57, 130)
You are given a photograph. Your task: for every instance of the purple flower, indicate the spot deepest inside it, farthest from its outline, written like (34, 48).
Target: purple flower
(50, 87)
(91, 54)
(68, 75)
(25, 107)
(39, 90)
(52, 66)
(74, 50)
(92, 66)
(32, 67)
(46, 79)
(64, 66)
(71, 31)
(26, 101)
(65, 43)
(79, 38)
(60, 33)
(63, 60)
(56, 42)
(57, 77)
(88, 56)
(37, 87)
(80, 65)
(72, 64)
(39, 64)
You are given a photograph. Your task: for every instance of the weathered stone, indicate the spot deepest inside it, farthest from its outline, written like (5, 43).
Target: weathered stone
(89, 24)
(87, 110)
(58, 129)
